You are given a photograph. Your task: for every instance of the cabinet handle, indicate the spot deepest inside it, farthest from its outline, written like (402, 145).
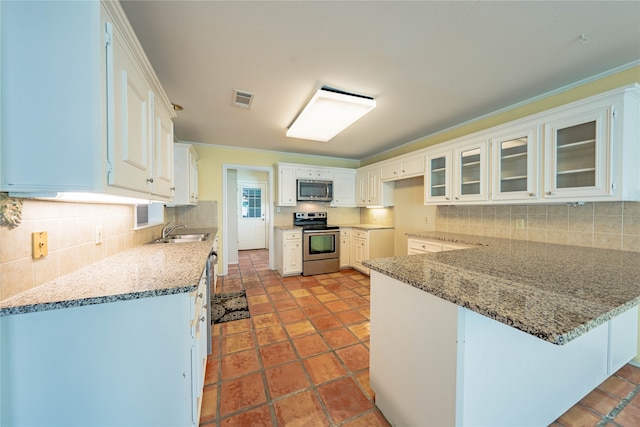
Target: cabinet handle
(173, 188)
(402, 170)
(446, 198)
(531, 195)
(457, 198)
(150, 180)
(202, 319)
(200, 295)
(548, 193)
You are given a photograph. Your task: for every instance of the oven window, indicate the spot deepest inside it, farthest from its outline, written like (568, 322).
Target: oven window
(322, 244)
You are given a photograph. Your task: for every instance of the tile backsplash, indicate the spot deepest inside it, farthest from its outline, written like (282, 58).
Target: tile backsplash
(608, 225)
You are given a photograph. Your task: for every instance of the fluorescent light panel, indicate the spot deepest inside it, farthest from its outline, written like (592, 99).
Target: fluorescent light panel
(328, 113)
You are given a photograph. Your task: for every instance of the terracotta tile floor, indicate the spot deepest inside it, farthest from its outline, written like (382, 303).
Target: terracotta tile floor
(302, 359)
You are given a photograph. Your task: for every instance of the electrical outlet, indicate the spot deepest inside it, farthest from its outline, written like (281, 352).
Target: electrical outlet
(519, 224)
(426, 218)
(40, 244)
(99, 235)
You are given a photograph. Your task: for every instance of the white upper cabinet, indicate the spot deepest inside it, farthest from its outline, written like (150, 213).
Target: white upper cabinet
(578, 154)
(163, 174)
(186, 175)
(584, 151)
(403, 167)
(98, 102)
(515, 164)
(344, 188)
(371, 190)
(470, 168)
(286, 185)
(437, 179)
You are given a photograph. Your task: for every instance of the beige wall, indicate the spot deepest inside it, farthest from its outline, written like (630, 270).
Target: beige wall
(609, 225)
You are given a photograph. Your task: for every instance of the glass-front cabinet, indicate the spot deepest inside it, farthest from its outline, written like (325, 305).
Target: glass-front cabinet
(515, 164)
(437, 178)
(471, 172)
(577, 155)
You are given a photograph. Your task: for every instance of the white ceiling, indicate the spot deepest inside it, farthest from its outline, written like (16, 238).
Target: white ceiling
(429, 64)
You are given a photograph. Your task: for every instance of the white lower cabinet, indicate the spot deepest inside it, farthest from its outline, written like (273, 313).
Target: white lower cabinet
(345, 247)
(423, 246)
(370, 244)
(136, 363)
(288, 245)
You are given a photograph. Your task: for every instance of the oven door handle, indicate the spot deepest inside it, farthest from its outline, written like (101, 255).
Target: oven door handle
(321, 231)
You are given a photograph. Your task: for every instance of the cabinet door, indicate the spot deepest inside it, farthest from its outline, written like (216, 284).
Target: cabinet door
(515, 165)
(286, 186)
(358, 248)
(578, 155)
(345, 252)
(374, 197)
(390, 171)
(361, 188)
(412, 166)
(130, 153)
(163, 175)
(193, 178)
(471, 172)
(292, 260)
(344, 189)
(438, 178)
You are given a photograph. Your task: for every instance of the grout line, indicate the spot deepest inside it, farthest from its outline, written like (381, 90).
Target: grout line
(619, 407)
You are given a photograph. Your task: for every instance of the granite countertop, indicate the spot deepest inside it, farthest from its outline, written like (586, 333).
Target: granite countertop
(144, 271)
(287, 227)
(368, 226)
(554, 292)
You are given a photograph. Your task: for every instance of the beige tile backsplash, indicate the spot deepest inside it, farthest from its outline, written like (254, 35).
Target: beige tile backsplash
(608, 225)
(71, 241)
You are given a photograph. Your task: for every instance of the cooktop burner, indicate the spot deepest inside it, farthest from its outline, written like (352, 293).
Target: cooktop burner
(312, 221)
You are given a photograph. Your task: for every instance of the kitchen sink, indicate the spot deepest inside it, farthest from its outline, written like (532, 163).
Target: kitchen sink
(183, 238)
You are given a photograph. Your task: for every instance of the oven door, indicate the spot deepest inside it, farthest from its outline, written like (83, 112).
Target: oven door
(320, 244)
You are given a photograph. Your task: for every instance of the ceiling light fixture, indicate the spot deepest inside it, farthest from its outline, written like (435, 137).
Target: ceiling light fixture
(328, 113)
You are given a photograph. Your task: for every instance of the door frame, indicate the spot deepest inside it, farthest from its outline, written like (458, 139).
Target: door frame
(225, 219)
(264, 200)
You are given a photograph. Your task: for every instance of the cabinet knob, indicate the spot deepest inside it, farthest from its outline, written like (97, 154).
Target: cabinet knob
(202, 319)
(446, 198)
(531, 195)
(150, 180)
(457, 198)
(200, 295)
(548, 193)
(402, 170)
(173, 188)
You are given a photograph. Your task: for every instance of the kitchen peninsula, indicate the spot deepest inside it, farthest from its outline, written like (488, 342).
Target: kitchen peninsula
(507, 333)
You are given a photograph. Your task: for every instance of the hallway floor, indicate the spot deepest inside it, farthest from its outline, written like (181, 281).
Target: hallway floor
(302, 359)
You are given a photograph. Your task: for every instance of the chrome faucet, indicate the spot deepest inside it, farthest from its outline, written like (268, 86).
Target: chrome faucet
(166, 230)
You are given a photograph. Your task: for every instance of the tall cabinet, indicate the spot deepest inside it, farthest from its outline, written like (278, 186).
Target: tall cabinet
(103, 119)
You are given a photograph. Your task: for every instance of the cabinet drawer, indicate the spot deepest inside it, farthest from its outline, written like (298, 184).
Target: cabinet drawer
(293, 235)
(345, 232)
(423, 246)
(359, 233)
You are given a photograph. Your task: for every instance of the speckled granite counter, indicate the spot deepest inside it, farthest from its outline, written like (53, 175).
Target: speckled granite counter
(144, 271)
(368, 226)
(554, 292)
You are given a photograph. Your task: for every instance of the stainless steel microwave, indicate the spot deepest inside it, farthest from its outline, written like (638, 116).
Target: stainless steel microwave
(314, 190)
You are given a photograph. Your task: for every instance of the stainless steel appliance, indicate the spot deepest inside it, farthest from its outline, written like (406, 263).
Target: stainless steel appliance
(320, 243)
(311, 190)
(211, 274)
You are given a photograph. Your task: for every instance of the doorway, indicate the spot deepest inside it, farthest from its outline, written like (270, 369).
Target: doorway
(252, 229)
(232, 176)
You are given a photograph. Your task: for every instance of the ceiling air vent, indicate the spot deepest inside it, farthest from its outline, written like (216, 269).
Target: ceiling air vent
(242, 99)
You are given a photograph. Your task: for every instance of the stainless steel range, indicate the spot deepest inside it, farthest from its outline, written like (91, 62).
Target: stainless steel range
(320, 243)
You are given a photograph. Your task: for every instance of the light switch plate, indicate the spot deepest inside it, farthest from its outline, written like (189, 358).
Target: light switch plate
(99, 235)
(40, 244)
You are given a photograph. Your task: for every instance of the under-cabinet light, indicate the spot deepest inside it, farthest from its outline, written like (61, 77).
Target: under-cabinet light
(328, 113)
